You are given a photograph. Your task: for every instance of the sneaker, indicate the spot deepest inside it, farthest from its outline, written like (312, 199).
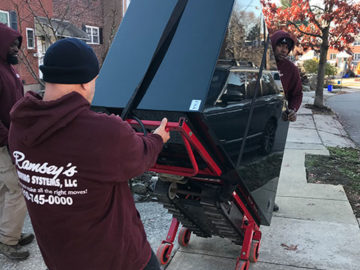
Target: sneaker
(15, 252)
(276, 207)
(25, 239)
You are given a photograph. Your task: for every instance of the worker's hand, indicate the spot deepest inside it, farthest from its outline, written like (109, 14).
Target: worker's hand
(161, 130)
(284, 115)
(289, 115)
(292, 116)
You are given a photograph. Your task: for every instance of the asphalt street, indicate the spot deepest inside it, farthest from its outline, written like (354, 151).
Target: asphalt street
(346, 106)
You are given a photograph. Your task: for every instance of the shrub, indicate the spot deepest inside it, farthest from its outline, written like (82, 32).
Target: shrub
(312, 65)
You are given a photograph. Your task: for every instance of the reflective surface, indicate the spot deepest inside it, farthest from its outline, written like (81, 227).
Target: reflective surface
(234, 102)
(183, 77)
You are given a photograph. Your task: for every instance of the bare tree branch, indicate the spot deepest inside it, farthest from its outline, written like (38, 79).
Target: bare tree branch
(314, 20)
(320, 8)
(343, 32)
(51, 29)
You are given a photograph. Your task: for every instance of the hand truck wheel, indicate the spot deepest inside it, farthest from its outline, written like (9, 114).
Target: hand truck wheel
(184, 237)
(254, 251)
(242, 265)
(163, 253)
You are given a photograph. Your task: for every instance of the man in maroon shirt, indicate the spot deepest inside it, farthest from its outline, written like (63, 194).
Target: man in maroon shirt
(282, 44)
(12, 204)
(74, 165)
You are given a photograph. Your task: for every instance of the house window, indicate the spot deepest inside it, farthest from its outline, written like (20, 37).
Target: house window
(356, 43)
(4, 17)
(356, 56)
(332, 56)
(94, 34)
(30, 38)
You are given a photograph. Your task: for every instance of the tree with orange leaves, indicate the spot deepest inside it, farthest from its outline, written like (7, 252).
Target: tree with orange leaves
(317, 25)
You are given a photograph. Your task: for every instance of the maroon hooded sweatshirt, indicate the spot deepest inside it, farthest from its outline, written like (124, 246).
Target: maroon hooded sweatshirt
(289, 75)
(11, 88)
(74, 165)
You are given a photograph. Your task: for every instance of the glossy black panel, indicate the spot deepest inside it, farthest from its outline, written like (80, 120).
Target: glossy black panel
(131, 51)
(227, 113)
(182, 81)
(232, 106)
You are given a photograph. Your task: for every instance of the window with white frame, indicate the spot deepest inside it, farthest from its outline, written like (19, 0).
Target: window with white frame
(93, 33)
(4, 17)
(30, 38)
(356, 43)
(332, 56)
(356, 56)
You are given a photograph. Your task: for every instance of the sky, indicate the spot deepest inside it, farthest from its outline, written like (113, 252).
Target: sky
(249, 5)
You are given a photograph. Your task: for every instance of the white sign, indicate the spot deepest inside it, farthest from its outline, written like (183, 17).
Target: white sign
(195, 105)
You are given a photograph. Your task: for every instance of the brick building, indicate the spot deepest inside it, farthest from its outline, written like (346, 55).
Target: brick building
(17, 15)
(41, 22)
(343, 60)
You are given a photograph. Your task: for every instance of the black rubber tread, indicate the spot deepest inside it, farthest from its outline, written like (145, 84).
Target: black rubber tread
(216, 221)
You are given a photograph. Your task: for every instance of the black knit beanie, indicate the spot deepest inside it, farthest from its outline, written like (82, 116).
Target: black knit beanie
(288, 41)
(69, 61)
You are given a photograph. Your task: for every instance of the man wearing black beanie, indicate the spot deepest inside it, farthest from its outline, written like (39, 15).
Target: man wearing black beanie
(282, 43)
(74, 165)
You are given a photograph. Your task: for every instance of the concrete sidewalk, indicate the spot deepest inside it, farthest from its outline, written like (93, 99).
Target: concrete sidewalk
(315, 219)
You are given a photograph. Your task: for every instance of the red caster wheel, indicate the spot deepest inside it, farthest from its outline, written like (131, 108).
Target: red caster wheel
(254, 251)
(163, 253)
(184, 237)
(242, 265)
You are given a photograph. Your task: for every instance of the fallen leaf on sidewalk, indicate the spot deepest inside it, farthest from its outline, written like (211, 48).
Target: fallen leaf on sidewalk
(291, 247)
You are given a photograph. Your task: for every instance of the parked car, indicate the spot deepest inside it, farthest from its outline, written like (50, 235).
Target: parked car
(276, 77)
(228, 109)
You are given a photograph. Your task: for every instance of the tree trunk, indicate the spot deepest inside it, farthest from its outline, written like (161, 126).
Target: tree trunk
(319, 100)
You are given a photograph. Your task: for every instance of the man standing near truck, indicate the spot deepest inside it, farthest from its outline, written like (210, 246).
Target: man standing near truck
(282, 44)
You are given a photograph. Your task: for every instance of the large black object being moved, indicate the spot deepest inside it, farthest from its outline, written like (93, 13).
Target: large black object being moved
(218, 173)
